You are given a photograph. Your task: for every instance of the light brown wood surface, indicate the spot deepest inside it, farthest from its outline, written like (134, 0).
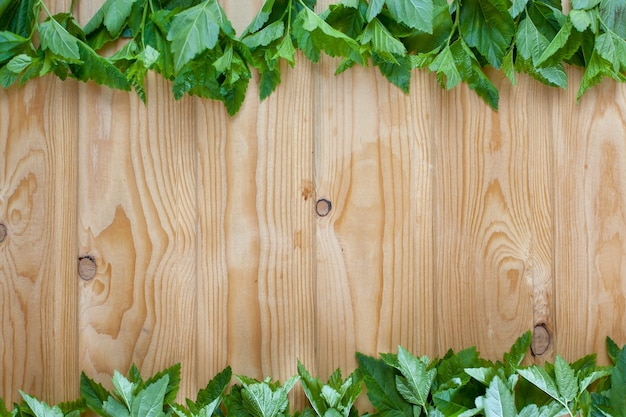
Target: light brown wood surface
(450, 225)
(38, 288)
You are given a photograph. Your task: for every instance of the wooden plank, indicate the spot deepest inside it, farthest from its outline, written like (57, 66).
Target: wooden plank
(38, 282)
(374, 247)
(138, 217)
(256, 217)
(483, 228)
(590, 217)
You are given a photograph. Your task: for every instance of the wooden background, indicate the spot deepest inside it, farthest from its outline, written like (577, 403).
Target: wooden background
(451, 225)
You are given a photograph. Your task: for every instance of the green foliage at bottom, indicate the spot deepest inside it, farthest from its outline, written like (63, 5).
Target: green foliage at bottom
(460, 384)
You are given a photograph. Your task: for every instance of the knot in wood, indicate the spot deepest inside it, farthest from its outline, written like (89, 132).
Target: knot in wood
(3, 232)
(541, 340)
(323, 207)
(86, 267)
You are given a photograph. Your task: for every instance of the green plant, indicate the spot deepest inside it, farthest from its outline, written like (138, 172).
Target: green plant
(193, 44)
(460, 384)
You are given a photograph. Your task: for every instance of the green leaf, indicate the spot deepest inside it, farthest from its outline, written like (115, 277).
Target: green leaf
(379, 379)
(260, 401)
(260, 19)
(19, 63)
(566, 380)
(10, 45)
(613, 49)
(584, 4)
(561, 47)
(416, 14)
(517, 7)
(193, 31)
(124, 389)
(286, 50)
(617, 393)
(499, 401)
(374, 9)
(149, 401)
(313, 35)
(597, 68)
(445, 66)
(612, 349)
(173, 383)
(382, 41)
(612, 13)
(98, 69)
(530, 42)
(114, 408)
(93, 393)
(518, 351)
(40, 408)
(487, 26)
(113, 14)
(267, 35)
(57, 39)
(416, 380)
(540, 378)
(215, 388)
(312, 388)
(580, 19)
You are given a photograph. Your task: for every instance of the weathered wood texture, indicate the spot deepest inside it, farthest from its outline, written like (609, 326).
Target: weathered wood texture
(338, 215)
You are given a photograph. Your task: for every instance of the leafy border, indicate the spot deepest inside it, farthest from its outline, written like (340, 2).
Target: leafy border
(193, 44)
(460, 384)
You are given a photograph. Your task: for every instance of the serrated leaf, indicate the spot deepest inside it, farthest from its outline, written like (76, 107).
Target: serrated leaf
(613, 49)
(418, 378)
(260, 19)
(124, 389)
(98, 69)
(312, 388)
(550, 410)
(580, 19)
(215, 388)
(483, 375)
(517, 7)
(612, 13)
(508, 67)
(382, 41)
(173, 383)
(314, 35)
(612, 349)
(93, 393)
(499, 401)
(114, 408)
(444, 65)
(374, 8)
(193, 31)
(10, 45)
(448, 403)
(529, 41)
(113, 14)
(617, 393)
(267, 35)
(260, 401)
(416, 14)
(540, 378)
(566, 380)
(19, 63)
(40, 408)
(596, 70)
(584, 4)
(487, 26)
(149, 401)
(57, 39)
(286, 50)
(558, 42)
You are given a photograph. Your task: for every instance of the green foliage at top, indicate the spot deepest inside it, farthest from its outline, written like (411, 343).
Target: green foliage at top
(460, 384)
(192, 43)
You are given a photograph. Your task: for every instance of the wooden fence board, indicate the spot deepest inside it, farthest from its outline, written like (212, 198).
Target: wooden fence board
(482, 221)
(590, 217)
(38, 332)
(137, 217)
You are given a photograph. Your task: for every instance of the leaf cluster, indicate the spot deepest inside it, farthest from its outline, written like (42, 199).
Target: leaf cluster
(193, 44)
(460, 384)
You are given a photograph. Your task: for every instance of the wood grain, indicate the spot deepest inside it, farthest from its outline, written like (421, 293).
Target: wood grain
(374, 249)
(138, 217)
(38, 280)
(483, 231)
(590, 217)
